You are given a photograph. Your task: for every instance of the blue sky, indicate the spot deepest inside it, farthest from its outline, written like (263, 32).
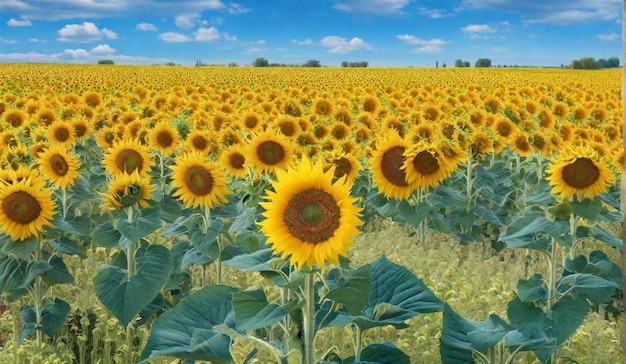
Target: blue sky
(386, 33)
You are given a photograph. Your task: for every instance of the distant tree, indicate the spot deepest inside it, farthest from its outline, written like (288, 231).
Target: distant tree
(458, 63)
(312, 63)
(106, 61)
(361, 64)
(232, 64)
(436, 64)
(344, 64)
(612, 62)
(260, 62)
(465, 64)
(483, 63)
(444, 65)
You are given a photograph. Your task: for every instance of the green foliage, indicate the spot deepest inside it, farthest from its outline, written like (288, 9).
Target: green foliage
(260, 62)
(362, 64)
(106, 61)
(483, 63)
(590, 63)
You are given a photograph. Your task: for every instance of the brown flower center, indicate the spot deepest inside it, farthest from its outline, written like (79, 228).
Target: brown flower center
(391, 165)
(164, 139)
(129, 160)
(425, 163)
(199, 180)
(312, 216)
(200, 143)
(59, 165)
(581, 173)
(21, 207)
(342, 167)
(62, 134)
(270, 152)
(80, 130)
(236, 160)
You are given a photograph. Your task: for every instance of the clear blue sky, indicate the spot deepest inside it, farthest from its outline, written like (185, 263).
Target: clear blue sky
(386, 33)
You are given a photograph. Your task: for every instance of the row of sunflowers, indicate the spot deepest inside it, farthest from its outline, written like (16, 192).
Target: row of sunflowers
(242, 162)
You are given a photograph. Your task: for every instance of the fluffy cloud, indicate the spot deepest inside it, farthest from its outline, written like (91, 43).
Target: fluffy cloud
(230, 38)
(426, 46)
(307, 41)
(7, 41)
(172, 37)
(375, 7)
(146, 27)
(102, 49)
(206, 35)
(234, 8)
(478, 28)
(608, 37)
(86, 32)
(188, 21)
(19, 23)
(341, 45)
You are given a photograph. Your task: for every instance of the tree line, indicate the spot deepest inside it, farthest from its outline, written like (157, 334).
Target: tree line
(590, 63)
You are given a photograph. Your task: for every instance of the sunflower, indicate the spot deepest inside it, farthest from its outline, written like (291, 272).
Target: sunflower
(234, 160)
(345, 165)
(425, 165)
(251, 121)
(163, 138)
(370, 104)
(579, 171)
(127, 156)
(269, 151)
(199, 183)
(61, 132)
(45, 116)
(309, 218)
(26, 209)
(127, 190)
(201, 141)
(59, 166)
(386, 164)
(288, 126)
(322, 106)
(106, 137)
(14, 117)
(81, 127)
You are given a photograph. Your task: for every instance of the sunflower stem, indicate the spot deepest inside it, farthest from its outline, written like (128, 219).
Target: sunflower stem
(37, 297)
(552, 288)
(358, 342)
(130, 248)
(218, 259)
(64, 202)
(308, 318)
(572, 232)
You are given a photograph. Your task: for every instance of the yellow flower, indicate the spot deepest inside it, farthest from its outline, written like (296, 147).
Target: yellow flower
(199, 183)
(579, 172)
(127, 156)
(58, 166)
(424, 165)
(163, 138)
(127, 190)
(234, 160)
(386, 166)
(309, 218)
(61, 132)
(268, 151)
(26, 209)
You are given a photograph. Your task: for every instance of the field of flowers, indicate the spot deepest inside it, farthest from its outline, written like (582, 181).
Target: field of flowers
(309, 215)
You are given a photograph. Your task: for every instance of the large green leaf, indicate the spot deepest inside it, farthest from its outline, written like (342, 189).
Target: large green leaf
(522, 232)
(381, 353)
(252, 311)
(187, 330)
(587, 208)
(350, 289)
(52, 318)
(20, 248)
(593, 287)
(204, 241)
(125, 296)
(145, 222)
(104, 235)
(58, 272)
(460, 337)
(532, 289)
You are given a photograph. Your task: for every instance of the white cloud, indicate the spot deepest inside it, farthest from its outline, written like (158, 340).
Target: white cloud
(37, 40)
(206, 34)
(187, 21)
(608, 37)
(86, 32)
(261, 41)
(230, 38)
(102, 49)
(77, 56)
(73, 53)
(410, 39)
(375, 7)
(93, 9)
(341, 45)
(434, 13)
(234, 8)
(19, 23)
(307, 41)
(7, 41)
(478, 28)
(256, 50)
(147, 27)
(172, 37)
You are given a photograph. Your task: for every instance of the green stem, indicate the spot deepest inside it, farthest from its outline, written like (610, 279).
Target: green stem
(130, 248)
(37, 297)
(572, 231)
(129, 343)
(358, 342)
(308, 319)
(468, 182)
(218, 260)
(552, 289)
(64, 202)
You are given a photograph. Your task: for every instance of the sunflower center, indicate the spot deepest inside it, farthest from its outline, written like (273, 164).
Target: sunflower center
(200, 143)
(80, 130)
(581, 173)
(312, 216)
(21, 207)
(62, 134)
(59, 165)
(342, 167)
(391, 166)
(237, 160)
(270, 152)
(425, 163)
(164, 139)
(199, 180)
(129, 160)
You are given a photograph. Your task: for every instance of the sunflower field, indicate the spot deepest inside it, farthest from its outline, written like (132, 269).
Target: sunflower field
(291, 215)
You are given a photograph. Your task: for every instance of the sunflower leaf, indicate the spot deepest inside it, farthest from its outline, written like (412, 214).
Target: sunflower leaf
(587, 208)
(252, 311)
(148, 221)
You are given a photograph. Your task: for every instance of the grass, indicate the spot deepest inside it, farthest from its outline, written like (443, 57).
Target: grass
(474, 280)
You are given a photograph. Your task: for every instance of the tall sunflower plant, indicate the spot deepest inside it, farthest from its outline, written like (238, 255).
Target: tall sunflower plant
(306, 222)
(550, 306)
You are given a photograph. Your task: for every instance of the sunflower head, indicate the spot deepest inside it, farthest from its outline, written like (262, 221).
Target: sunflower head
(579, 172)
(26, 209)
(309, 218)
(164, 138)
(127, 156)
(59, 166)
(127, 190)
(199, 183)
(269, 151)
